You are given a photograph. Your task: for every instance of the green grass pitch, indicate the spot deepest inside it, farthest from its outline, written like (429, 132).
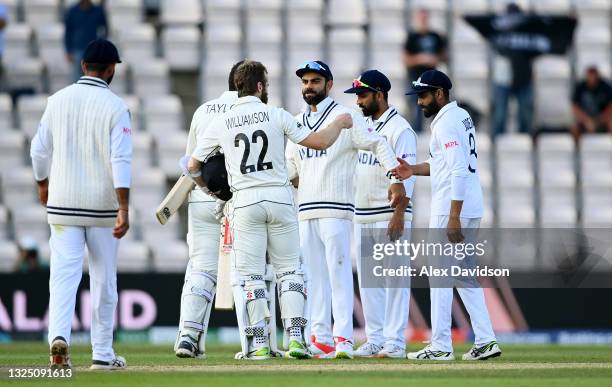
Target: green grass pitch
(149, 365)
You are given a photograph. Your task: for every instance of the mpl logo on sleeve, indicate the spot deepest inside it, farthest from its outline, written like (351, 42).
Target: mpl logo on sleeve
(451, 144)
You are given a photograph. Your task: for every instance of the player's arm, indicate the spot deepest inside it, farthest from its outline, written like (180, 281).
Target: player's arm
(451, 143)
(326, 137)
(405, 147)
(41, 151)
(121, 165)
(406, 171)
(293, 166)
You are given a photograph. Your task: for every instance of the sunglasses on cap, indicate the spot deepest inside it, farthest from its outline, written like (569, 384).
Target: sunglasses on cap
(358, 83)
(312, 66)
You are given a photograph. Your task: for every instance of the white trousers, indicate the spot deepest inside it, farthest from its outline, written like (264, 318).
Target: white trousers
(442, 302)
(264, 227)
(326, 247)
(385, 309)
(203, 233)
(67, 249)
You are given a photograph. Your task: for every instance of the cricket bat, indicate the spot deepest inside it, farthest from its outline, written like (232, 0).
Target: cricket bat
(175, 199)
(224, 298)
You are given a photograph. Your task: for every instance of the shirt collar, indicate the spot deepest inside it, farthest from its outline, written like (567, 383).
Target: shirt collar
(446, 108)
(383, 117)
(92, 81)
(321, 106)
(247, 99)
(229, 94)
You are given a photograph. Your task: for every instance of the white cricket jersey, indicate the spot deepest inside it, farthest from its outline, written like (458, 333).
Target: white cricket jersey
(252, 136)
(86, 137)
(452, 151)
(371, 201)
(200, 121)
(327, 177)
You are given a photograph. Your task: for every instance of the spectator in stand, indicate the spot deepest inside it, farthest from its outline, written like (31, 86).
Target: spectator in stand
(424, 50)
(592, 104)
(84, 22)
(3, 20)
(29, 260)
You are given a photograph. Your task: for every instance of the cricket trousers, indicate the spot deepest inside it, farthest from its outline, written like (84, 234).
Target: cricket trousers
(472, 297)
(385, 309)
(203, 233)
(67, 249)
(326, 247)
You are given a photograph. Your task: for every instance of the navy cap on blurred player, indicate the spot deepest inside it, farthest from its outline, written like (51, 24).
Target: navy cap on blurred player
(430, 80)
(101, 51)
(371, 80)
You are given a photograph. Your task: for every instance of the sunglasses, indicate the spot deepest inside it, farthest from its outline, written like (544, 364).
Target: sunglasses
(313, 66)
(358, 83)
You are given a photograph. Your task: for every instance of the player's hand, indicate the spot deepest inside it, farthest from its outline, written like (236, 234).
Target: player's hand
(453, 230)
(397, 194)
(43, 191)
(344, 120)
(403, 170)
(122, 224)
(396, 227)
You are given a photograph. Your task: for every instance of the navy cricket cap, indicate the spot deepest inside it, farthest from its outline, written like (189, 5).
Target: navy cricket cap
(430, 80)
(101, 51)
(371, 80)
(315, 66)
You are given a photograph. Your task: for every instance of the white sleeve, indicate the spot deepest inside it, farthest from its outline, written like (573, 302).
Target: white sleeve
(294, 131)
(293, 161)
(365, 138)
(121, 152)
(192, 137)
(208, 141)
(452, 151)
(405, 148)
(41, 151)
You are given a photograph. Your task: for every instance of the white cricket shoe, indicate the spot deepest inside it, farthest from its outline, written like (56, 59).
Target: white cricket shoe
(344, 348)
(321, 350)
(393, 351)
(118, 363)
(483, 352)
(59, 358)
(367, 349)
(428, 353)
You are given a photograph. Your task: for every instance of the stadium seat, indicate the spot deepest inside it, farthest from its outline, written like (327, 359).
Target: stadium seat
(40, 12)
(595, 162)
(30, 220)
(346, 52)
(386, 52)
(60, 75)
(11, 9)
(121, 79)
(181, 12)
(9, 255)
(171, 149)
(548, 7)
(152, 78)
(18, 187)
(163, 115)
(12, 150)
(50, 42)
(17, 42)
(437, 12)
(6, 115)
(223, 12)
(181, 47)
(142, 156)
(500, 6)
(133, 257)
(124, 13)
(137, 42)
(264, 44)
(26, 73)
(594, 13)
(150, 187)
(30, 109)
(171, 257)
(4, 223)
(304, 13)
(387, 13)
(552, 81)
(346, 12)
(463, 7)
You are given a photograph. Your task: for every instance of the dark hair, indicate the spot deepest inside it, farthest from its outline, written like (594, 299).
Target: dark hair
(231, 86)
(97, 67)
(385, 95)
(247, 75)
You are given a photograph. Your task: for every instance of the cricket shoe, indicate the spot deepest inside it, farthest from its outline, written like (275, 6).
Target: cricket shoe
(261, 353)
(391, 351)
(428, 353)
(58, 356)
(344, 348)
(367, 349)
(483, 352)
(297, 350)
(118, 363)
(187, 347)
(320, 350)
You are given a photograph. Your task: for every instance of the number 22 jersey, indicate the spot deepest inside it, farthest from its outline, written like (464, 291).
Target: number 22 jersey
(453, 152)
(252, 136)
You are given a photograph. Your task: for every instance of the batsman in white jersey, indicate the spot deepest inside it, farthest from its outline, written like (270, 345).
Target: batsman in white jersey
(326, 205)
(81, 156)
(456, 203)
(202, 238)
(262, 216)
(385, 309)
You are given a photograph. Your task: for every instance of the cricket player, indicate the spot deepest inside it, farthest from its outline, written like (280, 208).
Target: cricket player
(262, 216)
(202, 238)
(81, 155)
(326, 204)
(385, 309)
(456, 203)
